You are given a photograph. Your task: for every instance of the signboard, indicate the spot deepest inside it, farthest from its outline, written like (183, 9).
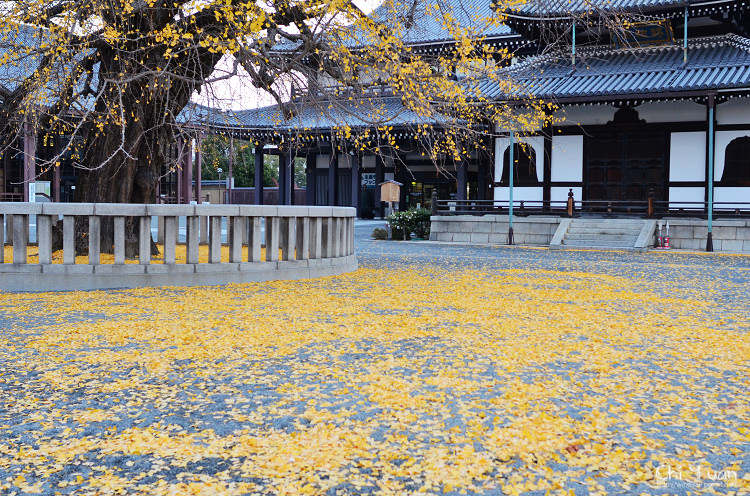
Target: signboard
(390, 191)
(32, 192)
(368, 179)
(645, 33)
(44, 187)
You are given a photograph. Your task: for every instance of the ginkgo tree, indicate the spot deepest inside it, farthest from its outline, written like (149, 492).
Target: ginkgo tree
(116, 78)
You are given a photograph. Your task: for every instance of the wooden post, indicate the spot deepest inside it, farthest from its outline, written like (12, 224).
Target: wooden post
(230, 174)
(461, 180)
(571, 206)
(333, 170)
(259, 174)
(199, 169)
(356, 181)
(29, 159)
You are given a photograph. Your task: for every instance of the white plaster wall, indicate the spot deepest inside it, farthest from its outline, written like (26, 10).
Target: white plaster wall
(722, 139)
(585, 115)
(528, 194)
(535, 142)
(321, 161)
(684, 111)
(680, 194)
(734, 111)
(739, 195)
(567, 158)
(560, 194)
(500, 145)
(687, 156)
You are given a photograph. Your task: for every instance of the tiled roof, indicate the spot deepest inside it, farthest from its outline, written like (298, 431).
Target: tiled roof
(18, 47)
(548, 9)
(427, 25)
(321, 116)
(715, 63)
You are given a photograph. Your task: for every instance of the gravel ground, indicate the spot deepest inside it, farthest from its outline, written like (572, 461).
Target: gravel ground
(438, 369)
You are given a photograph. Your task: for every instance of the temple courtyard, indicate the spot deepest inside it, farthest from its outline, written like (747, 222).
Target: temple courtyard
(433, 369)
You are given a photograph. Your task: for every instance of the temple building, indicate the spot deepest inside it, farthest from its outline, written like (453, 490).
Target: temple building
(655, 109)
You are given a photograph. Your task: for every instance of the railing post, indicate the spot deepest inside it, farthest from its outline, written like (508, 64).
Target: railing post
(170, 236)
(44, 238)
(352, 221)
(144, 240)
(160, 229)
(203, 229)
(336, 238)
(316, 237)
(235, 227)
(326, 239)
(119, 226)
(288, 238)
(272, 239)
(254, 240)
(650, 213)
(303, 238)
(20, 238)
(434, 202)
(193, 232)
(214, 239)
(570, 207)
(69, 241)
(94, 240)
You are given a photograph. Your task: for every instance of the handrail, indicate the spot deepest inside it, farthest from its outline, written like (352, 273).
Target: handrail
(308, 237)
(644, 208)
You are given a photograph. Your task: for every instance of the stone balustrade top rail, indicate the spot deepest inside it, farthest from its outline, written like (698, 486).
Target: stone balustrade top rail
(312, 242)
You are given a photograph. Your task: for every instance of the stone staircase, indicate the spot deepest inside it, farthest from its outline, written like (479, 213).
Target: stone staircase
(616, 234)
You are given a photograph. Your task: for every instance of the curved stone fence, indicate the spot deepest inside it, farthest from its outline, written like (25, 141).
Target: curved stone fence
(311, 241)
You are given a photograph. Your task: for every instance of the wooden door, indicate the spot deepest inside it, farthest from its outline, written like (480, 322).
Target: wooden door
(625, 166)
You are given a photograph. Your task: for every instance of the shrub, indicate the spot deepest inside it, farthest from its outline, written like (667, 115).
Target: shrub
(414, 220)
(379, 233)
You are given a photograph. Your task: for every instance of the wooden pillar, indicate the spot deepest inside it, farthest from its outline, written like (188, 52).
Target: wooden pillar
(199, 169)
(356, 181)
(461, 180)
(333, 172)
(178, 183)
(285, 162)
(259, 174)
(231, 165)
(310, 172)
(481, 177)
(379, 178)
(29, 160)
(186, 163)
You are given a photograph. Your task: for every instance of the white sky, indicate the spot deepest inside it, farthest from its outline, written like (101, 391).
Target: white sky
(237, 96)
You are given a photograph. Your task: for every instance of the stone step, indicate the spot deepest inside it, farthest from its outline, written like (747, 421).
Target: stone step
(605, 225)
(596, 243)
(603, 230)
(629, 236)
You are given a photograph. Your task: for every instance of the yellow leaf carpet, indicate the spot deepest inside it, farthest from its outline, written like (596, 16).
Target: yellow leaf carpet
(405, 377)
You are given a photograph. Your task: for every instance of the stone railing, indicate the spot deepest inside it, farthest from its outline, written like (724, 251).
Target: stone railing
(311, 241)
